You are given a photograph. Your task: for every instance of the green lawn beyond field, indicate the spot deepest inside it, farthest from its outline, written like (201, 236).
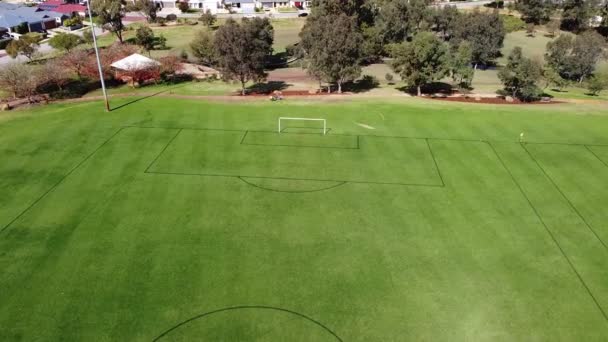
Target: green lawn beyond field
(178, 220)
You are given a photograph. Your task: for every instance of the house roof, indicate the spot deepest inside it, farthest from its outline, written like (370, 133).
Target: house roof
(134, 62)
(60, 7)
(71, 8)
(7, 6)
(21, 14)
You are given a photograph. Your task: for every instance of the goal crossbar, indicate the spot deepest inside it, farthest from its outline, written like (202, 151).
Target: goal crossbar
(304, 119)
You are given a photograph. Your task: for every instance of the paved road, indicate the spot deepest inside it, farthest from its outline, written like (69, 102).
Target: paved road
(44, 48)
(464, 4)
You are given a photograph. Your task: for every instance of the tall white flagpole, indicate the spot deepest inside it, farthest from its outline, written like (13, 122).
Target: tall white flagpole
(103, 83)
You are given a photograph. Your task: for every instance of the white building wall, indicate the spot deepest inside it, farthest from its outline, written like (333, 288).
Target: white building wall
(212, 5)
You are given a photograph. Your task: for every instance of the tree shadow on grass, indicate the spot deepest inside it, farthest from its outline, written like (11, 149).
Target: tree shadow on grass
(365, 84)
(431, 88)
(74, 88)
(277, 61)
(147, 97)
(267, 87)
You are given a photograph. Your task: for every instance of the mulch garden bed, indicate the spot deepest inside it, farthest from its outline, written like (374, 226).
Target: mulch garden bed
(285, 93)
(490, 100)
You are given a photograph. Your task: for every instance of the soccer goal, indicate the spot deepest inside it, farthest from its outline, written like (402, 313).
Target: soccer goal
(303, 119)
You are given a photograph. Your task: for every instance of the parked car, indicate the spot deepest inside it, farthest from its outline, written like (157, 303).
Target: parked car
(4, 40)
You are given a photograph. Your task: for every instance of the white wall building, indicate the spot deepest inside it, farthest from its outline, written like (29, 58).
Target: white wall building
(214, 6)
(238, 6)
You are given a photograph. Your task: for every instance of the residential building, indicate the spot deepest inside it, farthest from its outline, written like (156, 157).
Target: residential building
(242, 6)
(23, 19)
(60, 6)
(214, 6)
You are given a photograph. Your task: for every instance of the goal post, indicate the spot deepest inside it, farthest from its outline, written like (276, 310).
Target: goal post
(282, 118)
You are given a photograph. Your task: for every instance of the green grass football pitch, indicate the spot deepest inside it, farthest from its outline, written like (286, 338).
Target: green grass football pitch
(181, 220)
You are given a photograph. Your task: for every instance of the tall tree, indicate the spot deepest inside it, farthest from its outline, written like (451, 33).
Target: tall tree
(52, 73)
(520, 75)
(147, 8)
(87, 36)
(76, 61)
(111, 12)
(397, 20)
(553, 78)
(587, 50)
(597, 83)
(485, 32)
(242, 49)
(65, 41)
(558, 55)
(333, 46)
(444, 20)
(603, 28)
(460, 65)
(18, 79)
(419, 13)
(577, 14)
(202, 47)
(360, 9)
(423, 60)
(535, 11)
(575, 58)
(27, 46)
(393, 21)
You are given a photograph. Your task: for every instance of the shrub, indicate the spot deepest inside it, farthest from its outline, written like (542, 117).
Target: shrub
(171, 17)
(183, 6)
(208, 19)
(294, 50)
(169, 65)
(183, 55)
(65, 41)
(389, 78)
(18, 79)
(529, 93)
(597, 83)
(72, 21)
(161, 41)
(530, 29)
(4, 43)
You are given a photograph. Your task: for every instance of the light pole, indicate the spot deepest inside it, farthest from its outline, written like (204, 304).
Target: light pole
(103, 83)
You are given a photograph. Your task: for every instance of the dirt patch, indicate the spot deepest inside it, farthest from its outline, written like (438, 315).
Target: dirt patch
(490, 100)
(291, 75)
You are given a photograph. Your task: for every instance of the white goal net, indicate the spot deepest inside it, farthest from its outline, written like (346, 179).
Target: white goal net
(283, 125)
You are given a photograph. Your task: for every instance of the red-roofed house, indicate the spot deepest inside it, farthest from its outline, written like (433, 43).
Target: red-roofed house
(61, 7)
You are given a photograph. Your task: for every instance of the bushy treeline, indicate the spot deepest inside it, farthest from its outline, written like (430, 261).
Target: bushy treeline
(425, 43)
(239, 50)
(76, 69)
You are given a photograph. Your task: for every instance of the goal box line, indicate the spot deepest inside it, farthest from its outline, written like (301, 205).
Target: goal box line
(303, 119)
